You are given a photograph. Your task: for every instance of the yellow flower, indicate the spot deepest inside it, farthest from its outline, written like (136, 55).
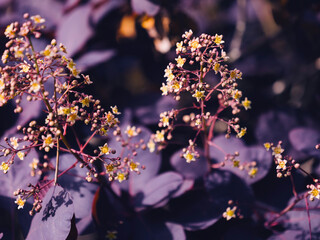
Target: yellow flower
(115, 110)
(48, 141)
(151, 145)
(230, 213)
(9, 32)
(276, 151)
(180, 61)
(14, 142)
(164, 89)
(179, 46)
(35, 86)
(109, 168)
(167, 71)
(216, 67)
(236, 94)
(20, 202)
(189, 156)
(246, 104)
(18, 52)
(4, 167)
(281, 164)
(111, 235)
(253, 172)
(34, 164)
(236, 163)
(198, 95)
(176, 86)
(85, 102)
(170, 77)
(134, 166)
(120, 177)
(25, 68)
(37, 19)
(242, 132)
(267, 146)
(104, 149)
(131, 131)
(194, 44)
(2, 99)
(20, 155)
(314, 192)
(218, 39)
(159, 136)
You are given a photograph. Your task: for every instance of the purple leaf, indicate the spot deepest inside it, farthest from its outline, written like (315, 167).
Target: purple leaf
(79, 189)
(74, 30)
(145, 7)
(305, 139)
(54, 219)
(289, 234)
(257, 154)
(19, 174)
(150, 114)
(201, 207)
(93, 58)
(192, 170)
(103, 8)
(160, 188)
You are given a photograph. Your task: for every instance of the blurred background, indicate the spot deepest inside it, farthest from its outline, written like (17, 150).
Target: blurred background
(125, 45)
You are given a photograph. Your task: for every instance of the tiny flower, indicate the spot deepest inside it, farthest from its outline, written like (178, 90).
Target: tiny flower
(236, 94)
(187, 34)
(164, 119)
(110, 168)
(218, 39)
(85, 102)
(25, 68)
(20, 202)
(134, 166)
(281, 164)
(253, 172)
(180, 61)
(179, 46)
(151, 145)
(86, 79)
(3, 99)
(167, 71)
(14, 142)
(5, 56)
(189, 156)
(314, 192)
(176, 86)
(276, 151)
(115, 110)
(224, 55)
(230, 213)
(37, 19)
(72, 117)
(10, 31)
(131, 131)
(267, 146)
(120, 177)
(159, 136)
(198, 95)
(170, 78)
(18, 52)
(35, 86)
(216, 67)
(48, 141)
(2, 84)
(246, 104)
(47, 51)
(236, 163)
(34, 164)
(164, 89)
(104, 149)
(4, 167)
(194, 44)
(111, 235)
(20, 155)
(242, 132)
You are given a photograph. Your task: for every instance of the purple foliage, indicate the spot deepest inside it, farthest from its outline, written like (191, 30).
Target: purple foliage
(55, 218)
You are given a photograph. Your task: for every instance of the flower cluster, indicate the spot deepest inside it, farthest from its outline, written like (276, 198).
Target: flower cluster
(30, 74)
(197, 56)
(284, 164)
